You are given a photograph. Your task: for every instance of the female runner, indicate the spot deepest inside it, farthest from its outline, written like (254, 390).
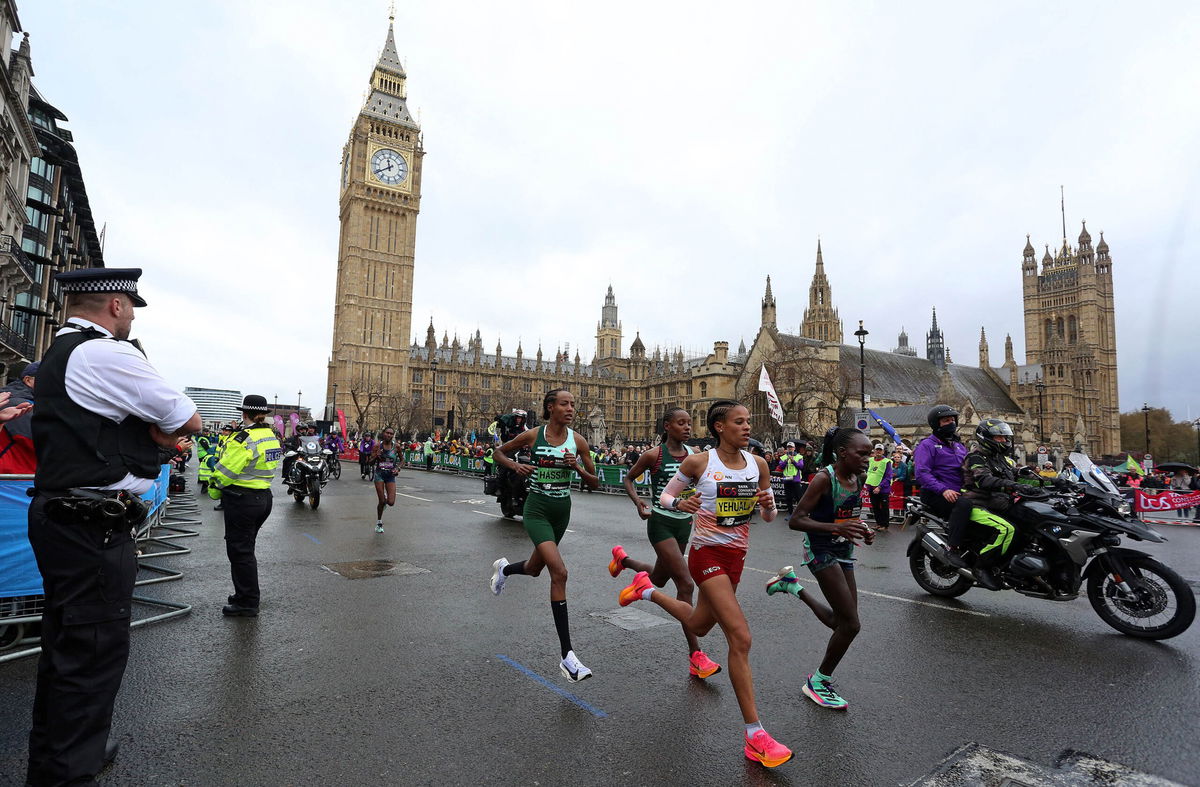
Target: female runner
(668, 530)
(730, 484)
(557, 451)
(387, 458)
(830, 516)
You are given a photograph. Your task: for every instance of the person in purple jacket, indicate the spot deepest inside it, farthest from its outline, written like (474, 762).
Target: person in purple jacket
(938, 462)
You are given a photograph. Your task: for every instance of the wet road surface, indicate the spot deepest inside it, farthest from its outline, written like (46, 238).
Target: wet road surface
(420, 676)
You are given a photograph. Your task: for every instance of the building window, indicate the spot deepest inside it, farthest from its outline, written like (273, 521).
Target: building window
(620, 394)
(464, 381)
(441, 378)
(417, 376)
(527, 386)
(703, 390)
(507, 385)
(439, 401)
(486, 381)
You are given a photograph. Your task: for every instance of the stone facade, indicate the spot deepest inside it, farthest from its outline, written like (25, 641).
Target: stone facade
(1070, 370)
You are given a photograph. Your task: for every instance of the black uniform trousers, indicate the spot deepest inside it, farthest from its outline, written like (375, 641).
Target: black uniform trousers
(88, 577)
(245, 511)
(881, 508)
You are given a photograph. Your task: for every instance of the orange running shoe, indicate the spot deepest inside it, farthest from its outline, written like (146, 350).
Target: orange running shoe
(615, 566)
(764, 749)
(641, 583)
(702, 666)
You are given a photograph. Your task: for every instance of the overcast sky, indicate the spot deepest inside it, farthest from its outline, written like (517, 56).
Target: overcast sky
(679, 151)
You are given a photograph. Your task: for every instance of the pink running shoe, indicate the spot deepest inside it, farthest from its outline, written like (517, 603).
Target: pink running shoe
(702, 666)
(764, 749)
(641, 583)
(615, 566)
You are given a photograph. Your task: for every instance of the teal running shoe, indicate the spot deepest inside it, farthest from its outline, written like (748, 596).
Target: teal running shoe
(822, 693)
(785, 580)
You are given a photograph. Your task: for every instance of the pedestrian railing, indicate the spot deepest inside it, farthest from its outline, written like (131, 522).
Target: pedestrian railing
(21, 595)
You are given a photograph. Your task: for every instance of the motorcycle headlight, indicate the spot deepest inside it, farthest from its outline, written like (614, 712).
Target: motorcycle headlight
(1124, 509)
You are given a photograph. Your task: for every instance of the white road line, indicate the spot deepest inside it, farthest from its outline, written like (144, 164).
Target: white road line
(485, 513)
(414, 497)
(896, 598)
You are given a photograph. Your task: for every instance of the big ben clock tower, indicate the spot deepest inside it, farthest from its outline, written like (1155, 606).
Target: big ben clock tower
(380, 200)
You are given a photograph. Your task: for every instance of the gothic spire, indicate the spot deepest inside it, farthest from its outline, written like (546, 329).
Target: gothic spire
(389, 92)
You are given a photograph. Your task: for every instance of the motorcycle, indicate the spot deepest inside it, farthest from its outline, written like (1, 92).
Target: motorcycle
(1064, 538)
(309, 472)
(510, 488)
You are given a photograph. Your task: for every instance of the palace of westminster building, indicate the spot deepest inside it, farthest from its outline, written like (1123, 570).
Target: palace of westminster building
(1065, 394)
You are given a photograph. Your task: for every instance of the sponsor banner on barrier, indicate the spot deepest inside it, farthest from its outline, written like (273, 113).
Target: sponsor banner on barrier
(1145, 500)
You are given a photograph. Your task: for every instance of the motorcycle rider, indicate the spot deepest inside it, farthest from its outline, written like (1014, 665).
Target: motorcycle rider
(938, 462)
(990, 479)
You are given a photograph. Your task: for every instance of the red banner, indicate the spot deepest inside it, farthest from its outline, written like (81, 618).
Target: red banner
(342, 423)
(1145, 500)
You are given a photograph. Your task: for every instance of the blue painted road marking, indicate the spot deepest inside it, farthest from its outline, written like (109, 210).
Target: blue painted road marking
(314, 538)
(561, 692)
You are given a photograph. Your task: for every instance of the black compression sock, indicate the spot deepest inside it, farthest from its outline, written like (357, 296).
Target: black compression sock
(514, 568)
(559, 608)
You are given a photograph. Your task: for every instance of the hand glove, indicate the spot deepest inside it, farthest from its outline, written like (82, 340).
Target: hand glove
(214, 492)
(1061, 483)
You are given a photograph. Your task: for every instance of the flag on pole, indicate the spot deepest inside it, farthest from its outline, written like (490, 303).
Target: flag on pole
(764, 385)
(885, 426)
(1131, 466)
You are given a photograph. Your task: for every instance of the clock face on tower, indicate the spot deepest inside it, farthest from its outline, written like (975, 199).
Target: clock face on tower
(389, 167)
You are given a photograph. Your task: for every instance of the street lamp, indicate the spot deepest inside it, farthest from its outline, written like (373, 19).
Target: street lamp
(433, 365)
(298, 404)
(1146, 417)
(1040, 387)
(333, 415)
(862, 333)
(275, 411)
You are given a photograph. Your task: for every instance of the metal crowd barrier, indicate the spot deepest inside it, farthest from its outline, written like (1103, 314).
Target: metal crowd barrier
(21, 612)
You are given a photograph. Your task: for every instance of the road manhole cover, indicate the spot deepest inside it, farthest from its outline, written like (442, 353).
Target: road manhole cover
(631, 619)
(369, 569)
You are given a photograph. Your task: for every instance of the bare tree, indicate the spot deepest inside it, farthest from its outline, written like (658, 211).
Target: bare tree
(365, 391)
(814, 391)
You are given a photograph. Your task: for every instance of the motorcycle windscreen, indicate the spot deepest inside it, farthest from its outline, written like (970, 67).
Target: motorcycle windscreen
(1092, 474)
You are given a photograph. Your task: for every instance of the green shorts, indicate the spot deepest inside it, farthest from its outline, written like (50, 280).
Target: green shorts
(546, 518)
(660, 528)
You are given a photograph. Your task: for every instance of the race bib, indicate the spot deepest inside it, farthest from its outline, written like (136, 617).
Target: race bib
(735, 502)
(386, 467)
(551, 474)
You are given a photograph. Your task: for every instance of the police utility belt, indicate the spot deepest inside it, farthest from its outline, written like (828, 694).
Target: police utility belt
(107, 509)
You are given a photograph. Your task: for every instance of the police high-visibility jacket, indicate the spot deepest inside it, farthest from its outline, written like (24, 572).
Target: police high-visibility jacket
(249, 459)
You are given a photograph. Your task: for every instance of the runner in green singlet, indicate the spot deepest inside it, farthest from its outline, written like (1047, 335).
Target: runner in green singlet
(668, 531)
(557, 451)
(829, 515)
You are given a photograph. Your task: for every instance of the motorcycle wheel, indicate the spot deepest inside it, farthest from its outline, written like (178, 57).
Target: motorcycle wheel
(1162, 605)
(937, 578)
(314, 500)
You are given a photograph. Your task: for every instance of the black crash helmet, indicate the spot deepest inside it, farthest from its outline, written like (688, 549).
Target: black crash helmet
(995, 437)
(938, 413)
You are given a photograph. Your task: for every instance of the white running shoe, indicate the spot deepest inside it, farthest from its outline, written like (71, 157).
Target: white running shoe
(498, 576)
(573, 668)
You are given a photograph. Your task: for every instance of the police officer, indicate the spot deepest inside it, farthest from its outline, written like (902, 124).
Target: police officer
(242, 479)
(102, 414)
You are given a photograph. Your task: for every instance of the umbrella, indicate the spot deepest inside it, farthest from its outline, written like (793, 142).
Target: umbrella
(1174, 467)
